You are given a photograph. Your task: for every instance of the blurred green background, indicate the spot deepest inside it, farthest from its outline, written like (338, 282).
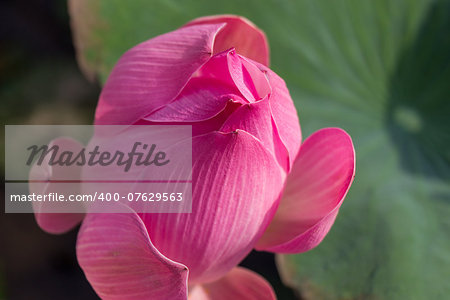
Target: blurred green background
(40, 83)
(378, 69)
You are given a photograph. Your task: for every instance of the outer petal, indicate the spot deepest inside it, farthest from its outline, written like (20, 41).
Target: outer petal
(145, 78)
(55, 222)
(284, 113)
(236, 185)
(239, 283)
(120, 261)
(315, 189)
(239, 33)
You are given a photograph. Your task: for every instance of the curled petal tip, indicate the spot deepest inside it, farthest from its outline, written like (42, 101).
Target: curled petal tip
(240, 33)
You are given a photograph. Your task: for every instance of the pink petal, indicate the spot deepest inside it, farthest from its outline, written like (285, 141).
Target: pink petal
(234, 197)
(55, 223)
(205, 126)
(58, 223)
(284, 114)
(315, 189)
(215, 123)
(250, 81)
(201, 99)
(235, 71)
(239, 283)
(239, 33)
(145, 78)
(120, 261)
(256, 119)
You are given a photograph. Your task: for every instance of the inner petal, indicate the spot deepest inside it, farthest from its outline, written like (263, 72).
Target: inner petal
(239, 72)
(201, 99)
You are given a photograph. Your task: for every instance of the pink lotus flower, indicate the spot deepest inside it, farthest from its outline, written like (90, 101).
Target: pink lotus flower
(256, 186)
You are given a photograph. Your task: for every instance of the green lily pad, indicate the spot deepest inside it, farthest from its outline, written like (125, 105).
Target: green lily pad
(379, 69)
